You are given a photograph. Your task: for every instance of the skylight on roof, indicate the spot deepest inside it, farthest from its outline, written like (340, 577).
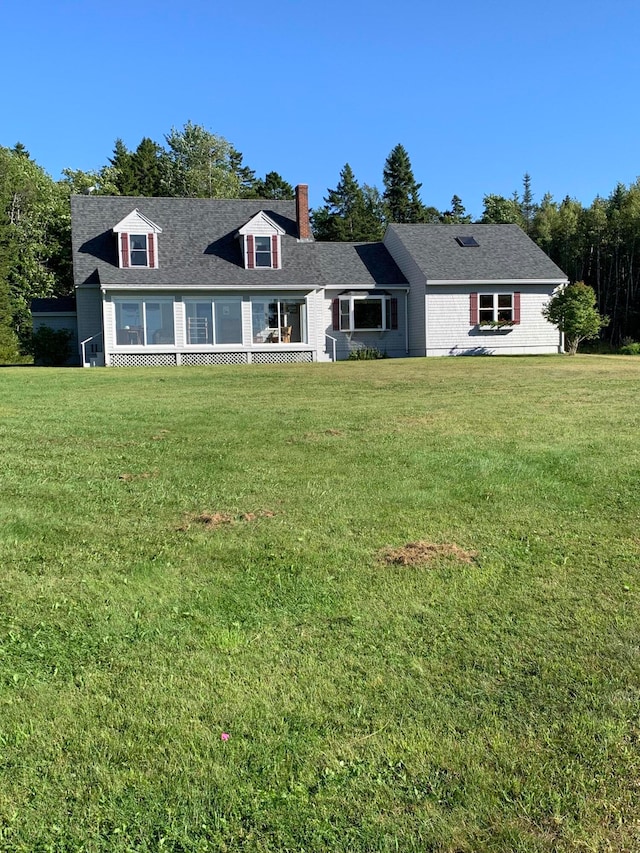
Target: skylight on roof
(467, 241)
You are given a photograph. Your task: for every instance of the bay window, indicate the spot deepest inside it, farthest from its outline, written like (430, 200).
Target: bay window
(364, 312)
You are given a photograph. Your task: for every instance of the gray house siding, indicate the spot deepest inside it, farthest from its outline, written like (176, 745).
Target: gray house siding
(390, 342)
(449, 331)
(416, 297)
(89, 308)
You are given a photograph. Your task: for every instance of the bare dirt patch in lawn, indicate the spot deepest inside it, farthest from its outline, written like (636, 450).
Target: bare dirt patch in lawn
(145, 475)
(214, 520)
(423, 553)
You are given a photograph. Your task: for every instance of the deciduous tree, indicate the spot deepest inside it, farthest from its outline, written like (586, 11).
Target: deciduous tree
(573, 310)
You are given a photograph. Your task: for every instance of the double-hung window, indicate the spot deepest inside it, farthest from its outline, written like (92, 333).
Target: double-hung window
(495, 309)
(138, 250)
(263, 251)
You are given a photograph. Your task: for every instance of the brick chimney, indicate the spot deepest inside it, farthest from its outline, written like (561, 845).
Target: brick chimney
(302, 213)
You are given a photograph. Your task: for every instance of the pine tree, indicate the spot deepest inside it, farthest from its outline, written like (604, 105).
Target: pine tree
(351, 213)
(148, 169)
(457, 214)
(273, 186)
(123, 172)
(527, 207)
(401, 192)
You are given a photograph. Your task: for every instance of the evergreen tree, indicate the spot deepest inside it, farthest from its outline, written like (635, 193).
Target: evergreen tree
(148, 168)
(245, 175)
(349, 214)
(527, 206)
(457, 214)
(401, 192)
(272, 186)
(123, 172)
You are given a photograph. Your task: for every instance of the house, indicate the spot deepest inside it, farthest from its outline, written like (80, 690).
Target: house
(169, 281)
(58, 314)
(476, 289)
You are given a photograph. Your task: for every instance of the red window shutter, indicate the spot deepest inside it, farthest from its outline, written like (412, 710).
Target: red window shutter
(516, 307)
(124, 245)
(274, 251)
(152, 250)
(394, 312)
(335, 312)
(251, 254)
(473, 309)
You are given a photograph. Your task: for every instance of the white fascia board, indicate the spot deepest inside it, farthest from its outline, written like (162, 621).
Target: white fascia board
(496, 281)
(402, 287)
(232, 288)
(247, 228)
(131, 221)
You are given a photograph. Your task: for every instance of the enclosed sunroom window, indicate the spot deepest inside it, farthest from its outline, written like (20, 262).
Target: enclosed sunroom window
(144, 322)
(213, 321)
(279, 321)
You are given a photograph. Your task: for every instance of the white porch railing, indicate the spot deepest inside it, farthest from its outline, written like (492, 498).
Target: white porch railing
(83, 348)
(334, 341)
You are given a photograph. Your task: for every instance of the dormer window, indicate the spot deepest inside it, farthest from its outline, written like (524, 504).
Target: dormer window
(261, 240)
(263, 251)
(137, 241)
(138, 250)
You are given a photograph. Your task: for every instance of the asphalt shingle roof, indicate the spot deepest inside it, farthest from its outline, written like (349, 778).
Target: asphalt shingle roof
(198, 247)
(503, 252)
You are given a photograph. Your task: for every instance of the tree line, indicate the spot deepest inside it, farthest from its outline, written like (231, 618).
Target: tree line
(598, 244)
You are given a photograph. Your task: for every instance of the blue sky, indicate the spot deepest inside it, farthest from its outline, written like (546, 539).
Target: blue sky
(478, 92)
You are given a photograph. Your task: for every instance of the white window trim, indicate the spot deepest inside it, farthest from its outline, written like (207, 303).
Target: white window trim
(132, 250)
(142, 299)
(131, 265)
(255, 252)
(212, 301)
(304, 319)
(496, 309)
(385, 300)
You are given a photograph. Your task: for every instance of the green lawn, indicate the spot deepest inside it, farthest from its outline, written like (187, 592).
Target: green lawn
(370, 706)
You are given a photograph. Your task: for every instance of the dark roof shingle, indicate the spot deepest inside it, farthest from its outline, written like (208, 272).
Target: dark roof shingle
(504, 252)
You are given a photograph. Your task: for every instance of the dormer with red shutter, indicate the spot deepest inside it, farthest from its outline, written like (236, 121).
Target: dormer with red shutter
(261, 243)
(137, 241)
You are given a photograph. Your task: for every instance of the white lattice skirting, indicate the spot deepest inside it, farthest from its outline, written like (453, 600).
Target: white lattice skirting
(169, 359)
(191, 358)
(281, 357)
(143, 359)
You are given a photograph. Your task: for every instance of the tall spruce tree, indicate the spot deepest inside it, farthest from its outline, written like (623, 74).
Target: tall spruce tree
(272, 186)
(457, 214)
(401, 191)
(349, 213)
(527, 206)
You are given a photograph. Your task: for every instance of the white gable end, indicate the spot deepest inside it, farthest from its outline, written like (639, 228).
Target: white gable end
(261, 224)
(136, 223)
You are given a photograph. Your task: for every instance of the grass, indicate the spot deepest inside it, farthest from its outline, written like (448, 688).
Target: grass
(370, 705)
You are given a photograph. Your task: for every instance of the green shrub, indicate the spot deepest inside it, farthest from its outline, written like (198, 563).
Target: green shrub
(51, 347)
(630, 349)
(366, 354)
